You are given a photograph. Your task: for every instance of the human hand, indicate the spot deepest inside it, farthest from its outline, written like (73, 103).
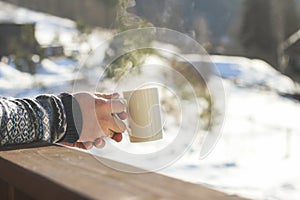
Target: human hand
(99, 113)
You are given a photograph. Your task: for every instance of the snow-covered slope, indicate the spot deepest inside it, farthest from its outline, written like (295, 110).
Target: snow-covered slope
(258, 153)
(252, 73)
(51, 73)
(11, 78)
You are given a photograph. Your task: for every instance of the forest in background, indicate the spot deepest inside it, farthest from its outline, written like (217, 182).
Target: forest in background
(251, 28)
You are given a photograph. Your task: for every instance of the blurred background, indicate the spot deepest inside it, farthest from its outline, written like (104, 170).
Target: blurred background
(254, 45)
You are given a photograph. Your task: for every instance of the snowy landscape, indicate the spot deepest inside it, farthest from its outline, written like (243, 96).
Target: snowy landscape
(257, 155)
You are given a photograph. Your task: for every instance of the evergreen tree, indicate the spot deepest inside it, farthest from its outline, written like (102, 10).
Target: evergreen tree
(201, 32)
(290, 14)
(266, 24)
(257, 33)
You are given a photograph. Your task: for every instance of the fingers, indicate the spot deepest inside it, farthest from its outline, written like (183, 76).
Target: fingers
(99, 143)
(117, 137)
(115, 125)
(108, 96)
(117, 105)
(123, 115)
(110, 111)
(79, 145)
(88, 145)
(111, 105)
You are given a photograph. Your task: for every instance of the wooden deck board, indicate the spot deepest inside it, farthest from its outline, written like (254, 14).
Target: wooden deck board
(53, 171)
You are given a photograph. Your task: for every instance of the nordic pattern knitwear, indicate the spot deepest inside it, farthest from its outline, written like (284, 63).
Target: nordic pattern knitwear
(30, 120)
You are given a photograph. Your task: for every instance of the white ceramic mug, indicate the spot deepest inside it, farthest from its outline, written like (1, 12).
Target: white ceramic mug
(144, 112)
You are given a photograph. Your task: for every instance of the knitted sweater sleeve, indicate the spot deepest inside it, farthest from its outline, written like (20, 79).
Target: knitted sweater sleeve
(46, 118)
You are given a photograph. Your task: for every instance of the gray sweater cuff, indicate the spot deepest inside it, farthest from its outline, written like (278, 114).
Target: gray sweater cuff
(74, 118)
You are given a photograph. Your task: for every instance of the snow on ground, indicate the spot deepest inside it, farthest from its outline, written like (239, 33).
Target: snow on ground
(51, 73)
(258, 153)
(253, 73)
(11, 78)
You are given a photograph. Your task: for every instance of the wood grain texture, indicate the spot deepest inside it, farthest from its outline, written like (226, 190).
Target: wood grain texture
(55, 172)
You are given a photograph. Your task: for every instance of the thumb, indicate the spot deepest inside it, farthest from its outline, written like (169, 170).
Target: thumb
(107, 96)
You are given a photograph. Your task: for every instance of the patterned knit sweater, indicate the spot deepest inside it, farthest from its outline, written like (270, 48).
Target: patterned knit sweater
(46, 118)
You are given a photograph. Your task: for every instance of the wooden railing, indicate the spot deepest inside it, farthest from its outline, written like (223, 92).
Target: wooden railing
(55, 172)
